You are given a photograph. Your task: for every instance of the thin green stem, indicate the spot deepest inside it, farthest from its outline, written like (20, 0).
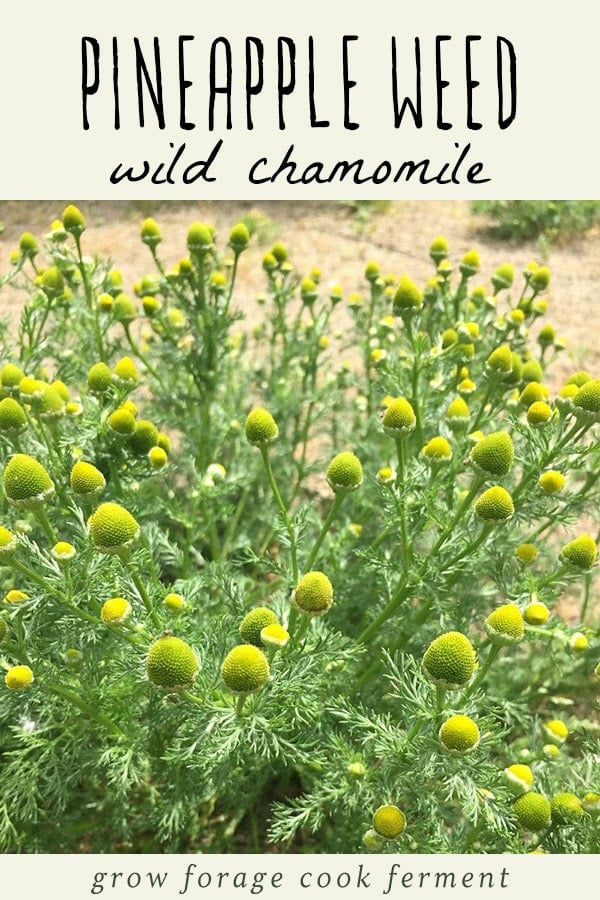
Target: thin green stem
(492, 654)
(337, 502)
(84, 707)
(282, 509)
(141, 589)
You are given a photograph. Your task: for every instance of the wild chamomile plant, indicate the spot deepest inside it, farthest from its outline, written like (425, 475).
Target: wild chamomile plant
(254, 579)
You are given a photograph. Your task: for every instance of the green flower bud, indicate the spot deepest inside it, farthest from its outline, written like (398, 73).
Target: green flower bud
(536, 613)
(586, 404)
(546, 336)
(372, 271)
(505, 625)
(399, 417)
(274, 635)
(566, 808)
(8, 543)
(470, 264)
(533, 392)
(459, 735)
(579, 378)
(408, 299)
(389, 822)
(503, 277)
(124, 309)
(344, 473)
(121, 421)
(73, 221)
(150, 233)
(580, 553)
(28, 245)
(99, 378)
(494, 454)
(144, 437)
(500, 361)
(260, 428)
(450, 660)
(53, 282)
(551, 482)
(12, 416)
(526, 552)
(533, 811)
(449, 337)
(494, 506)
(63, 551)
(86, 480)
(157, 458)
(532, 371)
(199, 238)
(174, 603)
(279, 251)
(18, 678)
(372, 841)
(314, 594)
(112, 528)
(239, 237)
(26, 481)
(457, 414)
(245, 669)
(125, 372)
(115, 611)
(52, 405)
(253, 623)
(437, 450)
(150, 305)
(540, 279)
(556, 731)
(11, 376)
(518, 778)
(164, 442)
(539, 413)
(591, 803)
(172, 664)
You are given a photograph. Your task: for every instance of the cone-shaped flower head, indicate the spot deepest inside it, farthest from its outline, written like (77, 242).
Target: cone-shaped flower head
(551, 482)
(505, 625)
(494, 506)
(503, 277)
(26, 481)
(12, 416)
(532, 371)
(115, 611)
(18, 678)
(533, 392)
(536, 613)
(518, 778)
(199, 237)
(73, 221)
(8, 543)
(245, 669)
(172, 664)
(439, 249)
(389, 822)
(500, 361)
(437, 450)
(586, 404)
(494, 454)
(112, 528)
(457, 414)
(11, 376)
(533, 811)
(314, 594)
(124, 309)
(63, 551)
(580, 553)
(150, 233)
(344, 473)
(591, 803)
(539, 414)
(125, 373)
(399, 417)
(556, 731)
(121, 421)
(157, 458)
(174, 603)
(86, 480)
(239, 237)
(408, 299)
(144, 437)
(526, 552)
(459, 735)
(253, 623)
(470, 263)
(450, 660)
(99, 378)
(274, 635)
(566, 808)
(260, 428)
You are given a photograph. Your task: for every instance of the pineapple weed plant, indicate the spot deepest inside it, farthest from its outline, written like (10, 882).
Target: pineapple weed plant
(255, 596)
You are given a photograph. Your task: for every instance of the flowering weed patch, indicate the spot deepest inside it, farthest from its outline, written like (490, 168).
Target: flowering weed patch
(256, 595)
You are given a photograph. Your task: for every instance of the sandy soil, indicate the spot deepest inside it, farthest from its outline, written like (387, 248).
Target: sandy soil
(325, 235)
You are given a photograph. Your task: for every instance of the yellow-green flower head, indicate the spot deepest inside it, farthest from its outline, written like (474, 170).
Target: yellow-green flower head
(449, 337)
(372, 841)
(459, 735)
(125, 372)
(8, 543)
(199, 238)
(550, 751)
(274, 635)
(540, 279)
(457, 414)
(12, 416)
(218, 282)
(503, 277)
(439, 249)
(112, 528)
(408, 299)
(99, 378)
(386, 475)
(399, 417)
(239, 237)
(533, 811)
(516, 316)
(536, 613)
(31, 389)
(172, 664)
(468, 332)
(372, 271)
(253, 623)
(591, 803)
(121, 421)
(11, 376)
(551, 482)
(269, 262)
(546, 336)
(63, 551)
(532, 371)
(52, 405)
(586, 403)
(15, 596)
(150, 305)
(566, 808)
(566, 395)
(53, 282)
(556, 731)
(124, 309)
(579, 378)
(533, 392)
(245, 669)
(494, 505)
(105, 303)
(389, 822)
(539, 414)
(518, 778)
(314, 594)
(164, 442)
(150, 233)
(494, 454)
(466, 386)
(578, 642)
(450, 660)
(280, 252)
(73, 408)
(500, 361)
(437, 450)
(174, 603)
(470, 264)
(73, 221)
(18, 678)
(157, 458)
(86, 480)
(28, 245)
(61, 389)
(115, 611)
(260, 428)
(144, 437)
(580, 553)
(73, 657)
(26, 481)
(344, 473)
(505, 625)
(356, 769)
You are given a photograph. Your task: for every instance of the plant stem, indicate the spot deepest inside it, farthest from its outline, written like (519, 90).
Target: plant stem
(322, 534)
(492, 654)
(286, 519)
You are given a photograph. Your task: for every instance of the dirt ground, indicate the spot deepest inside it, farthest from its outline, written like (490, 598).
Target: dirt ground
(326, 235)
